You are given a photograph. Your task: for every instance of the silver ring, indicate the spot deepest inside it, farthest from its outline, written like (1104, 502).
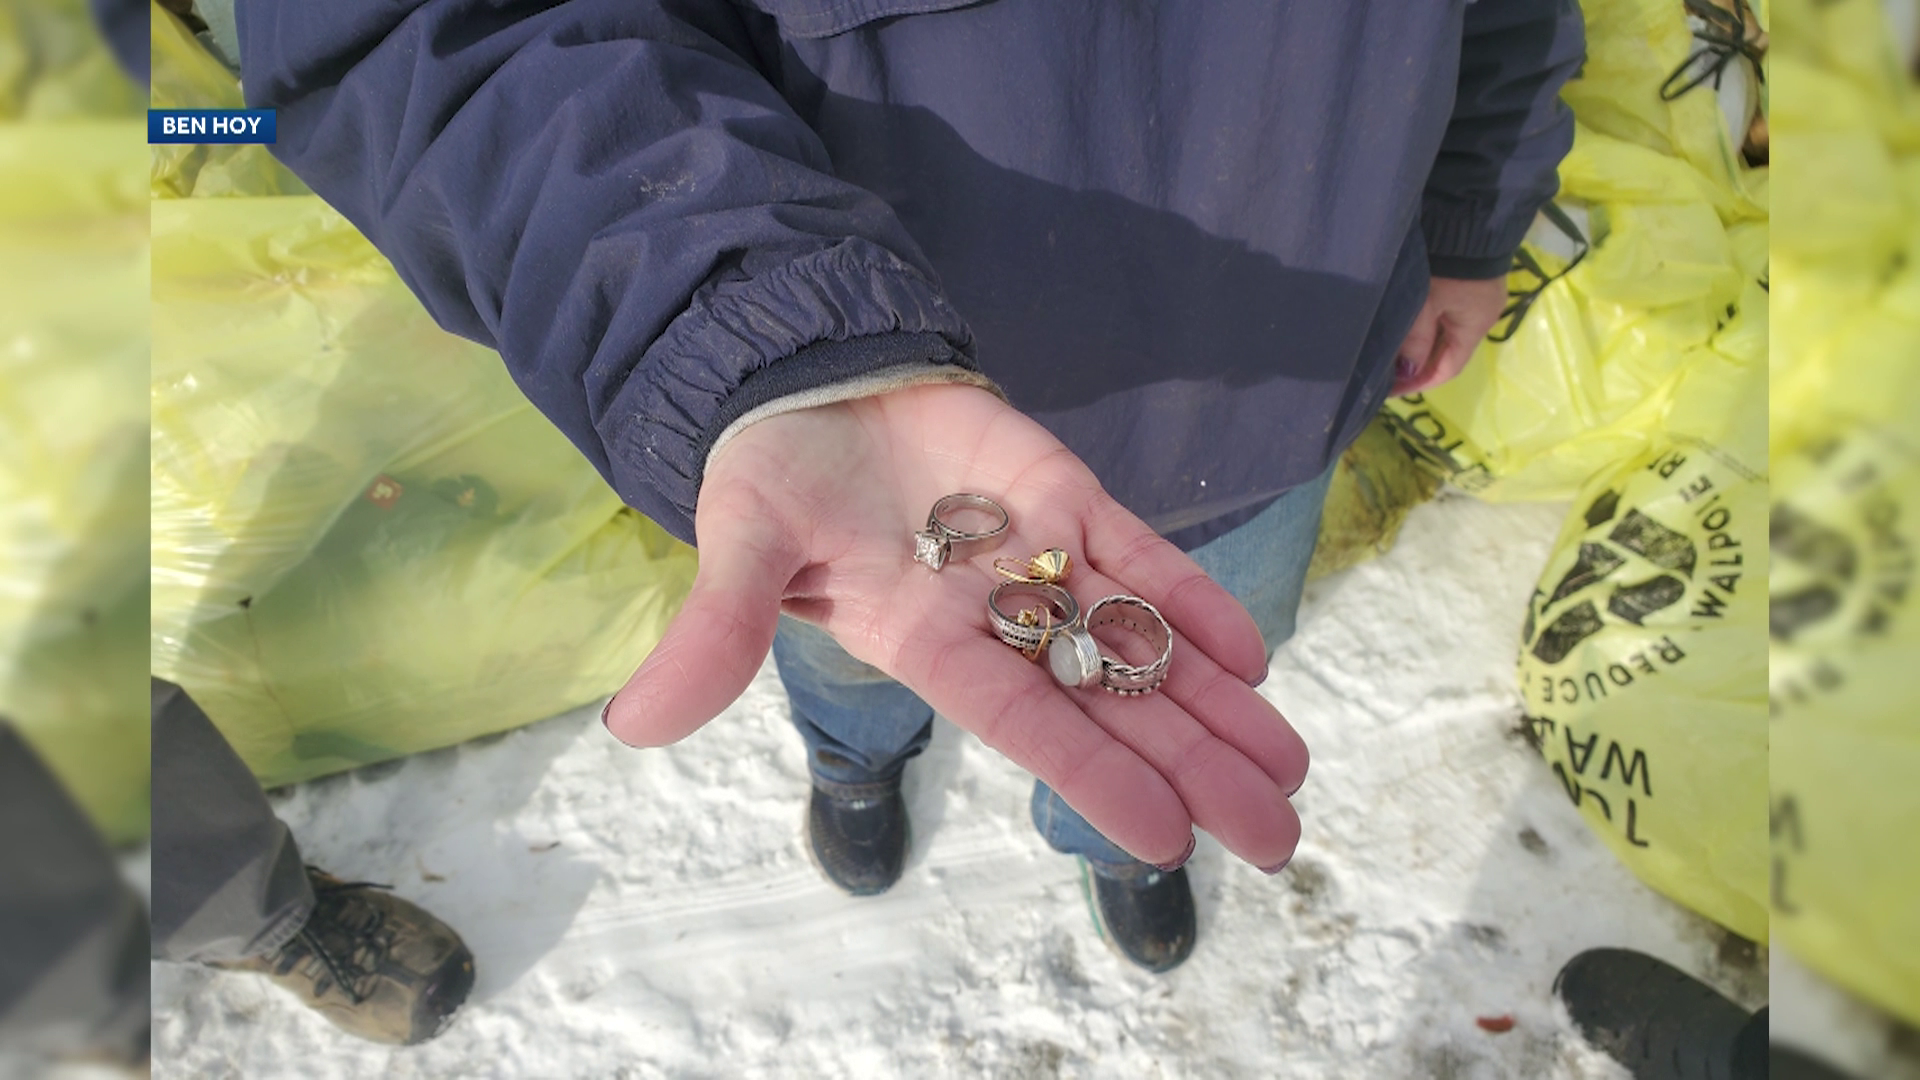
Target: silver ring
(1076, 660)
(1060, 608)
(933, 545)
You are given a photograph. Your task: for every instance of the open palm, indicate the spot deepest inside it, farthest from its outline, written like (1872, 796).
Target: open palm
(812, 511)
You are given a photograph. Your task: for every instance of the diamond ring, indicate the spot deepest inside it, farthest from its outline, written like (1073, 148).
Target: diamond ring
(933, 545)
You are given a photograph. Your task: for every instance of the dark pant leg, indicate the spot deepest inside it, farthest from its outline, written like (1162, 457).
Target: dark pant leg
(227, 877)
(73, 937)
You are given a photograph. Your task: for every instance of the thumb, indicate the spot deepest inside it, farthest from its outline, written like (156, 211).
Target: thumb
(713, 648)
(1455, 349)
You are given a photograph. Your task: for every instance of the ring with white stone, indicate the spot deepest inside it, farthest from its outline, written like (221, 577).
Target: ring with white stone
(933, 545)
(1076, 660)
(1028, 626)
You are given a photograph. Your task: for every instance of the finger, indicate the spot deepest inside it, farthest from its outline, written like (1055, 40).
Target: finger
(951, 659)
(1221, 703)
(1224, 790)
(1121, 548)
(1242, 717)
(715, 645)
(1229, 754)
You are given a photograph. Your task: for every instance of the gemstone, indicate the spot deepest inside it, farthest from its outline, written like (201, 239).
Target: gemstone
(1073, 659)
(930, 550)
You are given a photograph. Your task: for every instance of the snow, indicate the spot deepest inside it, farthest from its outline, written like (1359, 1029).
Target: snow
(654, 913)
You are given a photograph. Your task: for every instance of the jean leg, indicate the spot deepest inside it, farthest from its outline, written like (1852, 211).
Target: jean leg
(859, 725)
(1263, 563)
(228, 881)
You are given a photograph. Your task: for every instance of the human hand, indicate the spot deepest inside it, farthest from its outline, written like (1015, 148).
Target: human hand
(1451, 324)
(813, 511)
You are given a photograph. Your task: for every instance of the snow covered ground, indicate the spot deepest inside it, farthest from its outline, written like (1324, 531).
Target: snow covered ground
(654, 913)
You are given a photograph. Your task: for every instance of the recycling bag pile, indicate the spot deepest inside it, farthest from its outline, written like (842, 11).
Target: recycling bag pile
(1716, 660)
(1629, 376)
(365, 541)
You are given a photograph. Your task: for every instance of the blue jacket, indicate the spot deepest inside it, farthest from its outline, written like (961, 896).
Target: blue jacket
(1186, 236)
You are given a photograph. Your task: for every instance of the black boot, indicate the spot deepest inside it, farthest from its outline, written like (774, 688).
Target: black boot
(1143, 913)
(1660, 1022)
(858, 834)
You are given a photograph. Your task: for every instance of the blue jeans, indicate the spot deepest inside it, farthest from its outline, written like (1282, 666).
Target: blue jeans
(860, 726)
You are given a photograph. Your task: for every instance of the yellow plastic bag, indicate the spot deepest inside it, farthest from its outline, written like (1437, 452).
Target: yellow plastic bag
(55, 66)
(1640, 56)
(1644, 662)
(1638, 282)
(1846, 515)
(1637, 267)
(73, 269)
(186, 76)
(1846, 742)
(1853, 40)
(366, 542)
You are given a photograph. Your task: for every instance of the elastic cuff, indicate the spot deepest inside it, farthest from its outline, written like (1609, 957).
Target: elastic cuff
(847, 311)
(820, 368)
(1470, 239)
(1465, 268)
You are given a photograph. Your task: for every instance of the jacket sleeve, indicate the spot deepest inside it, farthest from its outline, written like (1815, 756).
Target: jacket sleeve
(611, 194)
(1508, 133)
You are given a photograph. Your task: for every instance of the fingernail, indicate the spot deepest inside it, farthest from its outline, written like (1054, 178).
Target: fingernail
(1182, 860)
(1263, 676)
(606, 721)
(1403, 367)
(1277, 867)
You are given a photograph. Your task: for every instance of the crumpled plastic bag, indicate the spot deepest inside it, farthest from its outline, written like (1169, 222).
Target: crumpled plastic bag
(1642, 57)
(55, 66)
(186, 76)
(1632, 281)
(73, 269)
(1643, 662)
(1846, 742)
(1654, 247)
(365, 541)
